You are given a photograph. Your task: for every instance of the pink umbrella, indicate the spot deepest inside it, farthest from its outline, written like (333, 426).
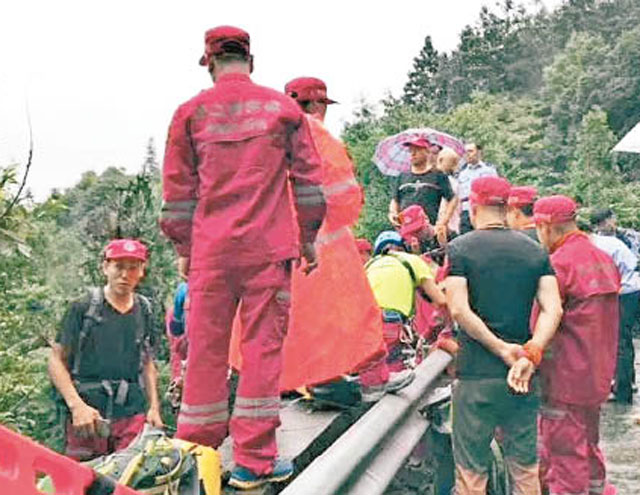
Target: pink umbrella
(392, 156)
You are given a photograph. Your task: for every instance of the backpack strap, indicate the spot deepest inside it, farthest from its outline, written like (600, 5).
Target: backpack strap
(408, 266)
(93, 316)
(404, 263)
(144, 335)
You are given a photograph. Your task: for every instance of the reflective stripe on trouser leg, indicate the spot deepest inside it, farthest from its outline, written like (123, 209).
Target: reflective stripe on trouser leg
(264, 314)
(563, 433)
(203, 415)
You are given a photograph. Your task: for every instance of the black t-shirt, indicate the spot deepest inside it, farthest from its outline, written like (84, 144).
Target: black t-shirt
(502, 268)
(110, 352)
(426, 190)
(531, 234)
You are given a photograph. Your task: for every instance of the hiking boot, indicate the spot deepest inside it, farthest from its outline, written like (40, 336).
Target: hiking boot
(245, 479)
(339, 394)
(373, 393)
(400, 379)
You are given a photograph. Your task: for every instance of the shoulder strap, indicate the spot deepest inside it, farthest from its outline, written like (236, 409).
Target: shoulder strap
(93, 316)
(404, 263)
(407, 265)
(143, 318)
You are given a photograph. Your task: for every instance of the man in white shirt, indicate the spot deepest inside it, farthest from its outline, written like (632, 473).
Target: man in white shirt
(473, 169)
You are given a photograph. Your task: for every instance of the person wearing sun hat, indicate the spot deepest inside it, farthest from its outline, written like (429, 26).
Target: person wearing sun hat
(495, 274)
(577, 372)
(103, 400)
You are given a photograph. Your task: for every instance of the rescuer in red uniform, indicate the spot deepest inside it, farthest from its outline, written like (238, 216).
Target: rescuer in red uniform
(520, 210)
(230, 154)
(577, 373)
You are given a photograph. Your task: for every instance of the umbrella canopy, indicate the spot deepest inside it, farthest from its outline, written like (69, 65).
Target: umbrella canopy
(631, 142)
(392, 157)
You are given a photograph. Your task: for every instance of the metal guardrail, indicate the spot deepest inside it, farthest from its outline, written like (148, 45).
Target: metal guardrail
(364, 460)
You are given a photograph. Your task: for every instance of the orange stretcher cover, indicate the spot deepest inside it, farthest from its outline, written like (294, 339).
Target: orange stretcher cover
(335, 323)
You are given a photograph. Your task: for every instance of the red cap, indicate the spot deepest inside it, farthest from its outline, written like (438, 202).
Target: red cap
(489, 191)
(555, 209)
(422, 142)
(363, 245)
(412, 221)
(125, 248)
(224, 39)
(308, 89)
(520, 196)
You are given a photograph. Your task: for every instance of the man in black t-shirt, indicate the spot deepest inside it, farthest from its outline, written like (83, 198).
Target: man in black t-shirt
(495, 276)
(103, 356)
(424, 185)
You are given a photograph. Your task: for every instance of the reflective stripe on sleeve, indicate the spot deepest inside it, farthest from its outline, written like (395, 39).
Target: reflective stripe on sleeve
(331, 236)
(340, 187)
(310, 200)
(178, 209)
(308, 195)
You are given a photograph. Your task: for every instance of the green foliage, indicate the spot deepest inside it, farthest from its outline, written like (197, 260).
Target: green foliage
(64, 237)
(547, 94)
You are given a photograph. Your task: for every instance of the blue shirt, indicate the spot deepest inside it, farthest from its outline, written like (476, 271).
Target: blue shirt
(626, 262)
(177, 322)
(467, 175)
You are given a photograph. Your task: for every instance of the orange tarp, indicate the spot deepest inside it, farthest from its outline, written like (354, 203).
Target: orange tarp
(335, 322)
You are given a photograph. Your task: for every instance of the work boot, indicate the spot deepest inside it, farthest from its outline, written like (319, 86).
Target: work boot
(399, 379)
(245, 479)
(339, 394)
(373, 393)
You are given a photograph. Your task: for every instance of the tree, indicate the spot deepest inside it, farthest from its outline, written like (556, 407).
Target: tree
(150, 164)
(421, 88)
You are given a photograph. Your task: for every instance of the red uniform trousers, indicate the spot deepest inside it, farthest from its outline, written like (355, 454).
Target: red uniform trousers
(571, 462)
(392, 332)
(177, 349)
(204, 417)
(376, 370)
(123, 431)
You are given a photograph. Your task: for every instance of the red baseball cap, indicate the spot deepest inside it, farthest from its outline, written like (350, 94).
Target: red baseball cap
(489, 191)
(224, 39)
(308, 89)
(412, 221)
(422, 142)
(363, 245)
(520, 196)
(125, 248)
(555, 209)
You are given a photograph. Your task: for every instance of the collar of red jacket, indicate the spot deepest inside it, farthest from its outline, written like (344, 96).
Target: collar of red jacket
(569, 235)
(232, 76)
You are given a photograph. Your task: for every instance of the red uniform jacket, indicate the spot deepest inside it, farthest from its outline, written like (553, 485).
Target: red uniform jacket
(582, 361)
(228, 156)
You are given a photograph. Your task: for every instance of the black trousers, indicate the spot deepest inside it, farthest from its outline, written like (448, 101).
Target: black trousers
(465, 222)
(629, 304)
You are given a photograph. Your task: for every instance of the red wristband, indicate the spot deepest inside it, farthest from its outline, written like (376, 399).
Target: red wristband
(532, 352)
